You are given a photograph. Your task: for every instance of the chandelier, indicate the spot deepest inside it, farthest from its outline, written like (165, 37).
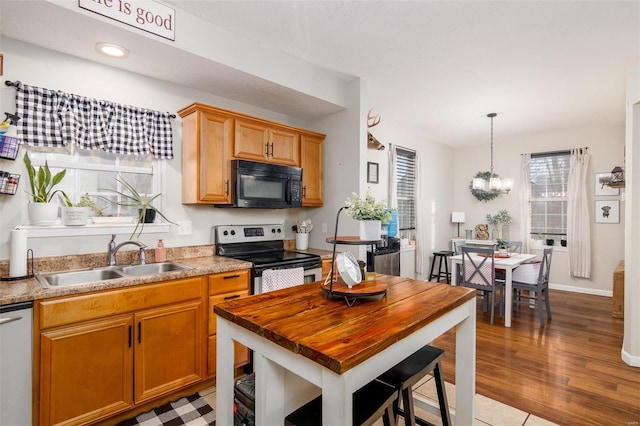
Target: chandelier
(492, 183)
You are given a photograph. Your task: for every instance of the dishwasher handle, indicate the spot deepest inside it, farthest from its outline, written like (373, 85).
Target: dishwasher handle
(9, 319)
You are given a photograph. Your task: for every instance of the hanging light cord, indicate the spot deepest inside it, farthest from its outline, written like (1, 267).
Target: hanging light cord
(491, 115)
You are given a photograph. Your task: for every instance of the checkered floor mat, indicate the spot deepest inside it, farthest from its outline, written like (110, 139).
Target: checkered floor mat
(190, 411)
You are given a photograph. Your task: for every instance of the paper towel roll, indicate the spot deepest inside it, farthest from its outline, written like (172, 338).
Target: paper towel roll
(18, 259)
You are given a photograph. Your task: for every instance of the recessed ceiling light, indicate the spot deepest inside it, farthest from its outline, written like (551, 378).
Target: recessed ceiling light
(111, 49)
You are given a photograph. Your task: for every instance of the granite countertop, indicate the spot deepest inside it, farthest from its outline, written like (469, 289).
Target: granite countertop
(200, 259)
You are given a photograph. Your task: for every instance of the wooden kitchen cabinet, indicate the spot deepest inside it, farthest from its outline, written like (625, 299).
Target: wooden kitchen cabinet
(106, 352)
(212, 137)
(258, 141)
(312, 175)
(223, 287)
(207, 138)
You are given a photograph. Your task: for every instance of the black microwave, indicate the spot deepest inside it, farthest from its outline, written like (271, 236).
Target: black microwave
(265, 186)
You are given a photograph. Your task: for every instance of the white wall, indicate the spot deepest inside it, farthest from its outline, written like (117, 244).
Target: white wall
(606, 146)
(44, 68)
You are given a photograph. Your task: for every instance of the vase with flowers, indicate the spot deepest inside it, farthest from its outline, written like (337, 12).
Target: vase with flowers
(370, 212)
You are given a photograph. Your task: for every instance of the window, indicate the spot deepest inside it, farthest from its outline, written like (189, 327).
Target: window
(94, 172)
(549, 176)
(406, 188)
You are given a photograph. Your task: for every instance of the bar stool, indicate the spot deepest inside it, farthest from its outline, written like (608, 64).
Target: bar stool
(410, 371)
(372, 401)
(442, 256)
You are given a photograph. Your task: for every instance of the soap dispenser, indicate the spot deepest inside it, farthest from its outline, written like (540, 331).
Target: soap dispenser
(160, 252)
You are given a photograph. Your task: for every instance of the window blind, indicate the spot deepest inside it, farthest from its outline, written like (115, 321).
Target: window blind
(549, 177)
(406, 188)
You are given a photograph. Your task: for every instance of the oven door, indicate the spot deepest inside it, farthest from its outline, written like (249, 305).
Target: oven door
(310, 275)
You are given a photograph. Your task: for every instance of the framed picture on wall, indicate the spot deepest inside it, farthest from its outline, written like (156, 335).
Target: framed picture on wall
(607, 211)
(372, 172)
(600, 190)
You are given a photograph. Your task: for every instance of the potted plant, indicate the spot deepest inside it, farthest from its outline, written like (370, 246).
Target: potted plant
(370, 212)
(502, 245)
(78, 213)
(130, 197)
(494, 222)
(43, 211)
(504, 218)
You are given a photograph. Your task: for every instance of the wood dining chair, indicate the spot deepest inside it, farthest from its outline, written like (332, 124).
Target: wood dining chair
(478, 272)
(534, 278)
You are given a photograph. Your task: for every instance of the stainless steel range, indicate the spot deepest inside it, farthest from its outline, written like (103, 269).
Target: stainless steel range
(263, 245)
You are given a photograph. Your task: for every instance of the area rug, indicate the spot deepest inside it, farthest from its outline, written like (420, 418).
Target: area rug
(191, 411)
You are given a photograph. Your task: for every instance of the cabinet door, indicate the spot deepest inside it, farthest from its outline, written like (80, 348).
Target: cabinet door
(86, 371)
(251, 141)
(312, 177)
(215, 145)
(169, 347)
(284, 147)
(206, 147)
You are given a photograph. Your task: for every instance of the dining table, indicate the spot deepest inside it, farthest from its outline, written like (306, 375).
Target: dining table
(308, 342)
(508, 263)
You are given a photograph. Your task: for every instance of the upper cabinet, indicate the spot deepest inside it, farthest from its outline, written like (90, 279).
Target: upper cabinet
(257, 141)
(212, 137)
(312, 180)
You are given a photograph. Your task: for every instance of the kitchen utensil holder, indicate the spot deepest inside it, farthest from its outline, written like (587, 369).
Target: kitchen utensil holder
(30, 274)
(9, 183)
(9, 147)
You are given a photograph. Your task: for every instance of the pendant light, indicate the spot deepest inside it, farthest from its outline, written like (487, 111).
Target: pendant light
(493, 184)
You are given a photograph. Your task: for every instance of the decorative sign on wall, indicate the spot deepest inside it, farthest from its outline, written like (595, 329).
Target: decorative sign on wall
(146, 15)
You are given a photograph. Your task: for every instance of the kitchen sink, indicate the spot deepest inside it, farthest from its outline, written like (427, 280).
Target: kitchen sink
(152, 268)
(107, 273)
(81, 277)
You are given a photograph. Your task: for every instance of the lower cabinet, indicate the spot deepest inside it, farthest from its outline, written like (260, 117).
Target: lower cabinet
(103, 353)
(224, 287)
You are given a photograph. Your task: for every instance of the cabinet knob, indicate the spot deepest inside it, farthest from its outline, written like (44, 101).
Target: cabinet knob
(227, 184)
(304, 191)
(271, 149)
(266, 149)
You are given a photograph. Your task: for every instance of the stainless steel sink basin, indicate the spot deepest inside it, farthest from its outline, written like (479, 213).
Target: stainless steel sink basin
(152, 268)
(107, 273)
(81, 277)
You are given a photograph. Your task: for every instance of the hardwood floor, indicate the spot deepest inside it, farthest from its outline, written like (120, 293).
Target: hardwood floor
(568, 371)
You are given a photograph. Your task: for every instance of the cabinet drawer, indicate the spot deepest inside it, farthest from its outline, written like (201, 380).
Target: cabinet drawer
(229, 281)
(68, 310)
(213, 300)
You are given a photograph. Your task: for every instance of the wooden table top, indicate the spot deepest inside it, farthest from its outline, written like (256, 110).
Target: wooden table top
(303, 320)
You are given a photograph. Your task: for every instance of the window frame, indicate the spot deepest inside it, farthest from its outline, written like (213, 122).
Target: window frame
(406, 155)
(547, 229)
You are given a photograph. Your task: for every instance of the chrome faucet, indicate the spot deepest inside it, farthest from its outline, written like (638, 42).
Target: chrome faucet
(113, 249)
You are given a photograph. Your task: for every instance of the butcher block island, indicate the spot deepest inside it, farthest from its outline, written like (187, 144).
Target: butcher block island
(299, 332)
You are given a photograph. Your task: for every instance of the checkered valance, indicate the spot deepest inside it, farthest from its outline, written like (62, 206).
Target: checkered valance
(53, 118)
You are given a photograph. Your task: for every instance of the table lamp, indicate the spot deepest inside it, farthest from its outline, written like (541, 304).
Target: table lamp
(457, 217)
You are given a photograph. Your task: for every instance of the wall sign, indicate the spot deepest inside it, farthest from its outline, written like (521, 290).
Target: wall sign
(146, 15)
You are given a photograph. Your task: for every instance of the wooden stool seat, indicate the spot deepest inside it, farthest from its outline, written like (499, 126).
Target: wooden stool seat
(442, 257)
(372, 401)
(410, 371)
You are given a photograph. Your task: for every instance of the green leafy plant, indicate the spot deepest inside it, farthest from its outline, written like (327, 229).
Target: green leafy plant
(367, 208)
(87, 201)
(504, 217)
(130, 197)
(42, 182)
(492, 220)
(502, 244)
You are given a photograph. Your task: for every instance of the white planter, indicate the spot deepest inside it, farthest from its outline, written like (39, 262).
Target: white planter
(370, 230)
(302, 241)
(74, 216)
(43, 214)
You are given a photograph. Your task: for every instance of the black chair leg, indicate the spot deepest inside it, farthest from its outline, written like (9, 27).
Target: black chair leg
(546, 302)
(442, 396)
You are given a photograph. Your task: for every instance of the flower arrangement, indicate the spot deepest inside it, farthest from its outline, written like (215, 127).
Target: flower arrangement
(502, 218)
(367, 208)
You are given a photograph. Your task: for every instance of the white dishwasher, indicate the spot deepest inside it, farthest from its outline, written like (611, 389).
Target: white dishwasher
(16, 337)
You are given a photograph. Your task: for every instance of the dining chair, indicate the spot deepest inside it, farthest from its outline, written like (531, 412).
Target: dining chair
(457, 248)
(533, 277)
(478, 272)
(515, 246)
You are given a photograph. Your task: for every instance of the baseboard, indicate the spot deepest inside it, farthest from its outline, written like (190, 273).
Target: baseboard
(595, 292)
(633, 361)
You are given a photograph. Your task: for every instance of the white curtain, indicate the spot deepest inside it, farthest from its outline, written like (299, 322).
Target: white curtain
(578, 217)
(420, 246)
(392, 202)
(525, 201)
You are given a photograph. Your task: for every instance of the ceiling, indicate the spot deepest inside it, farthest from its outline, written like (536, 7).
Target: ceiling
(433, 67)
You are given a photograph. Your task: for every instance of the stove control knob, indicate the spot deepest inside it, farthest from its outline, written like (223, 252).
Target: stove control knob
(225, 233)
(233, 232)
(279, 230)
